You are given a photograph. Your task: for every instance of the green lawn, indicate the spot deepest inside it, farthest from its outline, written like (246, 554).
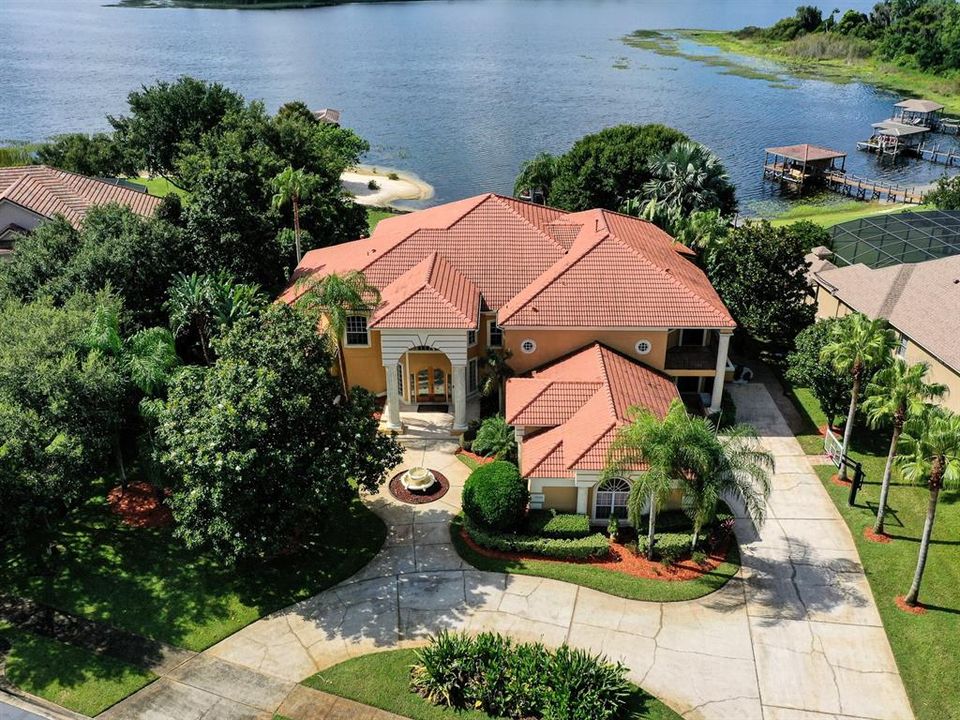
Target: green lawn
(375, 215)
(159, 186)
(147, 582)
(69, 676)
(607, 581)
(383, 680)
(916, 640)
(468, 461)
(830, 214)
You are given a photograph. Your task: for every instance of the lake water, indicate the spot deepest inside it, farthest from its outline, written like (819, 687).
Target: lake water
(459, 92)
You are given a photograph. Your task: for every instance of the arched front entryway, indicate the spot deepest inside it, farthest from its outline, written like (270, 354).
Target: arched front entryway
(425, 367)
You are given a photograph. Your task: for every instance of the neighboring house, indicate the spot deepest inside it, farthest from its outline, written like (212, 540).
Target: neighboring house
(33, 193)
(921, 301)
(637, 321)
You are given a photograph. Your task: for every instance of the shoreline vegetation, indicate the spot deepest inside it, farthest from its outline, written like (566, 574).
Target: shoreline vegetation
(869, 70)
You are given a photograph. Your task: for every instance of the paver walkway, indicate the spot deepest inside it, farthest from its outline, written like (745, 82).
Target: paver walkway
(796, 636)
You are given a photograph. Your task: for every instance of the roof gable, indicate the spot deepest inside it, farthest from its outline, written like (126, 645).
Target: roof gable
(432, 294)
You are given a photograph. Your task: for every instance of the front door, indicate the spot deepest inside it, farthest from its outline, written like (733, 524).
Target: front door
(431, 385)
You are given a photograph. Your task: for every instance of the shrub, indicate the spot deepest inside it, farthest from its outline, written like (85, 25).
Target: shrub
(525, 680)
(495, 496)
(563, 526)
(393, 176)
(373, 185)
(613, 528)
(496, 439)
(584, 548)
(670, 547)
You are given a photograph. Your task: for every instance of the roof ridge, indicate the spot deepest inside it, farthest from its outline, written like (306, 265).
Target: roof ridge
(606, 379)
(549, 384)
(667, 272)
(501, 200)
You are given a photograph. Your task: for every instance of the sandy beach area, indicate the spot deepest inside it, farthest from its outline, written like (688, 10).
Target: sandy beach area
(406, 186)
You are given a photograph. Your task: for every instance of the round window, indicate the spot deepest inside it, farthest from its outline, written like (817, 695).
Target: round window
(528, 346)
(643, 347)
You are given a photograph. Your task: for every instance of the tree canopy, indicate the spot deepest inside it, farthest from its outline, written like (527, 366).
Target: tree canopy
(263, 442)
(96, 155)
(829, 386)
(760, 273)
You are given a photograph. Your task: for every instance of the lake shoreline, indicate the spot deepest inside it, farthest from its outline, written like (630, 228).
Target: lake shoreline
(392, 186)
(887, 76)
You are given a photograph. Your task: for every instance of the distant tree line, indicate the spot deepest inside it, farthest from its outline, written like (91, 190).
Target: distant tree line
(924, 34)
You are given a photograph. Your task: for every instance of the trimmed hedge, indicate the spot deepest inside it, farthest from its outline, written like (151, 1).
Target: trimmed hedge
(502, 678)
(669, 546)
(552, 524)
(495, 496)
(583, 548)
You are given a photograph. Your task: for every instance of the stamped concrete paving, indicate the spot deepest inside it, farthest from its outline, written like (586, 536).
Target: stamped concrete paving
(795, 637)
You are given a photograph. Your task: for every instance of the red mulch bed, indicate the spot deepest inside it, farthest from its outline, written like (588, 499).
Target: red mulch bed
(623, 561)
(479, 459)
(438, 490)
(917, 609)
(836, 480)
(870, 535)
(137, 506)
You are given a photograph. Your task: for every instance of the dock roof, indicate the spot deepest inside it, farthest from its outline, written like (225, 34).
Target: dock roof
(806, 152)
(899, 129)
(916, 105)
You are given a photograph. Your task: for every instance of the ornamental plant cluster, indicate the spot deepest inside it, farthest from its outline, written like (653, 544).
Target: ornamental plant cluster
(514, 680)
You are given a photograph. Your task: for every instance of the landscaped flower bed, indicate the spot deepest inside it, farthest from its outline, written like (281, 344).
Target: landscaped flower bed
(590, 547)
(505, 679)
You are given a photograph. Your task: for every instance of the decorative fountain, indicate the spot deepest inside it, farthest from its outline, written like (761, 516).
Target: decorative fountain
(418, 479)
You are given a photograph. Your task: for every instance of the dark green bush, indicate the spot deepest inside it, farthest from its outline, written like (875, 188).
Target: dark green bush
(584, 548)
(670, 547)
(495, 496)
(553, 524)
(519, 680)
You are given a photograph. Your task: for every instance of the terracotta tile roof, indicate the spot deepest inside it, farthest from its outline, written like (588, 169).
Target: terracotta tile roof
(535, 264)
(634, 274)
(432, 294)
(583, 399)
(921, 300)
(48, 192)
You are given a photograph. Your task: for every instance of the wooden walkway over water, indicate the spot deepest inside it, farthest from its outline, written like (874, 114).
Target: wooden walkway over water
(948, 157)
(863, 189)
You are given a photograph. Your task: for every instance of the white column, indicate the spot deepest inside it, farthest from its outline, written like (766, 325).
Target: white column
(393, 398)
(582, 500)
(518, 434)
(722, 349)
(459, 397)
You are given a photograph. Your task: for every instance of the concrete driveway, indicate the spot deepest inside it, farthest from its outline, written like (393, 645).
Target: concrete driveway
(795, 637)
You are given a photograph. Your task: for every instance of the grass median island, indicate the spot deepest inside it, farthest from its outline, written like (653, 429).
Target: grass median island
(147, 582)
(69, 676)
(916, 639)
(383, 680)
(598, 578)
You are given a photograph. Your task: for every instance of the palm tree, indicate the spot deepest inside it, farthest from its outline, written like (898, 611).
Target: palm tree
(495, 438)
(896, 393)
(688, 177)
(858, 345)
(930, 454)
(337, 297)
(537, 176)
(290, 188)
(497, 371)
(658, 446)
(736, 467)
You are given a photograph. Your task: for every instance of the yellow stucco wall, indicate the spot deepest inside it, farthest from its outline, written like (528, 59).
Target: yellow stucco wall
(552, 344)
(562, 499)
(415, 361)
(829, 306)
(365, 366)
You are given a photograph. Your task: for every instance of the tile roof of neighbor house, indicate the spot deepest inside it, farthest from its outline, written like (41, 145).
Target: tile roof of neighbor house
(536, 264)
(921, 300)
(431, 292)
(582, 398)
(47, 191)
(806, 152)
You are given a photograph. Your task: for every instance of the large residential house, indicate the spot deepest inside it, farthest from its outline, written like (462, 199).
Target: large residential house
(598, 312)
(921, 301)
(33, 193)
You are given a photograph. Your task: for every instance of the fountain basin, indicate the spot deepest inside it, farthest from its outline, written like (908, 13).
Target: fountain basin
(418, 479)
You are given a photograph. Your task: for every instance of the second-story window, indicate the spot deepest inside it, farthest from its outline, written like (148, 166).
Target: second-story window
(494, 335)
(357, 332)
(471, 337)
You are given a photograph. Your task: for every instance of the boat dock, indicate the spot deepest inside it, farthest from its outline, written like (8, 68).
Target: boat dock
(864, 189)
(936, 155)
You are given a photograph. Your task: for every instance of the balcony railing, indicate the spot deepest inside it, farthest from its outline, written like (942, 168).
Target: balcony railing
(691, 357)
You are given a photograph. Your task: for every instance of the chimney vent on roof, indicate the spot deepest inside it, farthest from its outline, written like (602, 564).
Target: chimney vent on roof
(596, 225)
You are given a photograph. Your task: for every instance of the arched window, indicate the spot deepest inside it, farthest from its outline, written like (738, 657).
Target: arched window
(611, 499)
